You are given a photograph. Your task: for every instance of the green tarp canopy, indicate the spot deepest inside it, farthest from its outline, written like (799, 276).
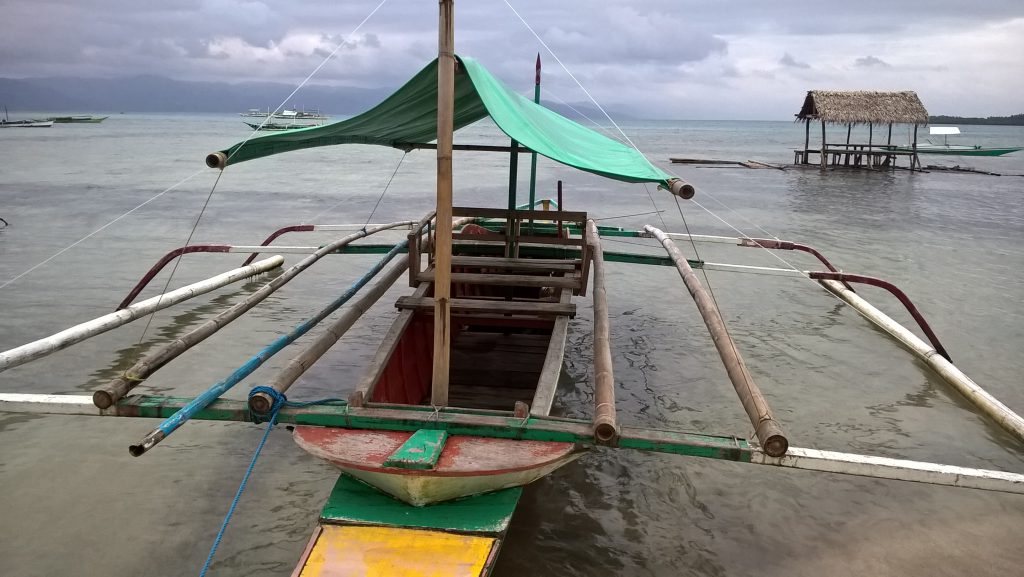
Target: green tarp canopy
(409, 116)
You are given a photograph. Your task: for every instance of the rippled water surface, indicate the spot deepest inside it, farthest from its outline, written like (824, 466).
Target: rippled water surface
(75, 503)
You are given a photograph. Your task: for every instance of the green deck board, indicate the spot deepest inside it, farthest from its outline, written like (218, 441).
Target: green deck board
(420, 451)
(355, 503)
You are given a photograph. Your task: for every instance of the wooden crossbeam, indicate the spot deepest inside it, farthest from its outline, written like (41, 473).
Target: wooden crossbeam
(482, 306)
(520, 280)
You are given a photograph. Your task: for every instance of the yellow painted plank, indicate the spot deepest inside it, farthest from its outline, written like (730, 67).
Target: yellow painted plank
(355, 551)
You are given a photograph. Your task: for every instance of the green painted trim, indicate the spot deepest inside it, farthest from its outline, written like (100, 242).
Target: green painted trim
(421, 451)
(580, 432)
(355, 503)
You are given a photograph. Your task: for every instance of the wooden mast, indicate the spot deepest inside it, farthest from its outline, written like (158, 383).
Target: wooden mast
(443, 238)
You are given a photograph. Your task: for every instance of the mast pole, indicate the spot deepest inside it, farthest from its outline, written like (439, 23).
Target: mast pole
(443, 238)
(533, 155)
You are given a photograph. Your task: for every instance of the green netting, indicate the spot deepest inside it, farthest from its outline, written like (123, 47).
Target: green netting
(410, 116)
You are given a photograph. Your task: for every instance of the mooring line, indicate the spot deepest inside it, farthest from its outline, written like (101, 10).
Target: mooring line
(177, 261)
(104, 227)
(385, 191)
(309, 77)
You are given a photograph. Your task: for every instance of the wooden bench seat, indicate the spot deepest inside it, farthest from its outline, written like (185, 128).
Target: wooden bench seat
(465, 306)
(552, 265)
(514, 280)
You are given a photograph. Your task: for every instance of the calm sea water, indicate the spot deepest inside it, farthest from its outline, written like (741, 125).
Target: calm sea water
(74, 502)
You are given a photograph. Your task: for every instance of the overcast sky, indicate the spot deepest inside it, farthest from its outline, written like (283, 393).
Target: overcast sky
(656, 58)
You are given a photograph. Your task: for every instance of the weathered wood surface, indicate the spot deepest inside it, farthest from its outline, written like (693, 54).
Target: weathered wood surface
(488, 306)
(547, 382)
(467, 465)
(606, 429)
(766, 427)
(519, 264)
(515, 280)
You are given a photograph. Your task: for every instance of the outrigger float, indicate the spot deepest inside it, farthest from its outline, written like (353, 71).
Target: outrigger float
(452, 417)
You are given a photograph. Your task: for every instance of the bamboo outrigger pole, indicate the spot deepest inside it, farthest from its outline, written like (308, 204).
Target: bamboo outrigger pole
(120, 386)
(78, 333)
(606, 430)
(767, 429)
(443, 242)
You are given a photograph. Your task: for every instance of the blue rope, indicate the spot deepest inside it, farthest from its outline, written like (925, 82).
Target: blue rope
(279, 400)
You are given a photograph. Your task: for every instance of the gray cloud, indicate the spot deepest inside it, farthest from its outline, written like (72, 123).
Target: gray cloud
(788, 61)
(869, 61)
(623, 52)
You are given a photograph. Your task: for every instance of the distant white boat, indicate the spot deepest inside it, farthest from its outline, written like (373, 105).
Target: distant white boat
(955, 149)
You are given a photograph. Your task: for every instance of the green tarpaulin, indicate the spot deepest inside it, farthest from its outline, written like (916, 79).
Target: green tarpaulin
(410, 116)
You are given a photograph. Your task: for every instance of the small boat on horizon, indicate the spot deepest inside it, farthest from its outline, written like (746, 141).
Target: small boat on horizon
(278, 126)
(6, 122)
(286, 114)
(79, 119)
(956, 149)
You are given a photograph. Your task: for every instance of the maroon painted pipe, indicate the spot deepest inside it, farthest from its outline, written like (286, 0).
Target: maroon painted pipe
(163, 262)
(787, 245)
(277, 233)
(843, 277)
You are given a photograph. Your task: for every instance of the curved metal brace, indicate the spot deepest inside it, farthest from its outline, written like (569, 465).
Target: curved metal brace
(160, 264)
(903, 298)
(787, 245)
(273, 236)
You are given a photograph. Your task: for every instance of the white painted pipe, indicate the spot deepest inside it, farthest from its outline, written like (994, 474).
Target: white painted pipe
(990, 405)
(78, 333)
(898, 469)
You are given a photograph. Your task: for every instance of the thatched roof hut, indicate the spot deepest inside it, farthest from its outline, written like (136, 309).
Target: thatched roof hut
(863, 107)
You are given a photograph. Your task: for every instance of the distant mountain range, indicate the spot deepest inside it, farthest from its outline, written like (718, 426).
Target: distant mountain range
(1014, 120)
(160, 94)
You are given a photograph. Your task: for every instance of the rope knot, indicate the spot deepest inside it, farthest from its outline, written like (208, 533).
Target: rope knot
(278, 401)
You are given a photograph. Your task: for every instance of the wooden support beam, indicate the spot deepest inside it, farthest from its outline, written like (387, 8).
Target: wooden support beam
(464, 306)
(443, 242)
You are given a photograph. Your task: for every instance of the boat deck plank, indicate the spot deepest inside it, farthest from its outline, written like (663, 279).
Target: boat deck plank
(485, 306)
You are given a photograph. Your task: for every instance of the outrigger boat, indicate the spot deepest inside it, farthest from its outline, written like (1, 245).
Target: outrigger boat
(956, 149)
(452, 417)
(80, 119)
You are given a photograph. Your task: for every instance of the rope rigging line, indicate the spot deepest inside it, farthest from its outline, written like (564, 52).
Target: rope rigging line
(571, 75)
(309, 77)
(711, 291)
(270, 417)
(177, 261)
(385, 191)
(104, 227)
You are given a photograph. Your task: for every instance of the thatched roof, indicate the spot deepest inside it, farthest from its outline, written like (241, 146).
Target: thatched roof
(862, 107)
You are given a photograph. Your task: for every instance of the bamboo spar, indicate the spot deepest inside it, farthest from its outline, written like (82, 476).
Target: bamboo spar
(443, 242)
(262, 403)
(119, 387)
(78, 333)
(1000, 413)
(606, 430)
(767, 429)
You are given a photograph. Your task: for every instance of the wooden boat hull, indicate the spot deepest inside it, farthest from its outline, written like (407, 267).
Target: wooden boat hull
(364, 532)
(466, 465)
(78, 119)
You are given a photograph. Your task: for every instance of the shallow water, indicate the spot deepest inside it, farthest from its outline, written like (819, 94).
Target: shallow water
(74, 502)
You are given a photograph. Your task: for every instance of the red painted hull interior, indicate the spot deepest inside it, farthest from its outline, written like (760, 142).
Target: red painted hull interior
(494, 362)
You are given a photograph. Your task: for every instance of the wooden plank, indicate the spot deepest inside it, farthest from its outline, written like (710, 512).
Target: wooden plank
(353, 502)
(529, 264)
(506, 279)
(421, 451)
(386, 551)
(508, 307)
(547, 383)
(550, 240)
(502, 213)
